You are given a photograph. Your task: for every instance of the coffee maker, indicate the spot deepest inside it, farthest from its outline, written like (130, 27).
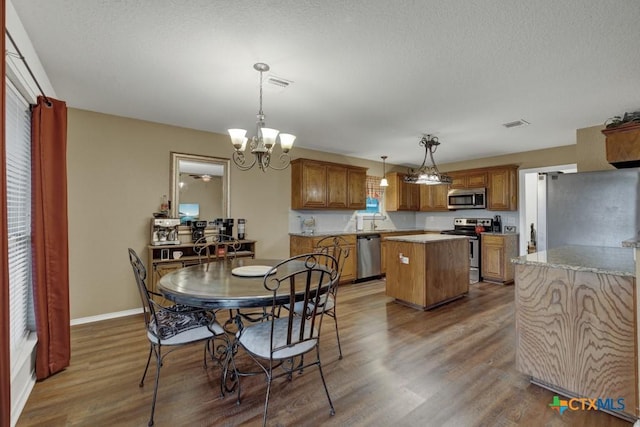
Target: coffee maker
(228, 228)
(197, 229)
(225, 228)
(164, 231)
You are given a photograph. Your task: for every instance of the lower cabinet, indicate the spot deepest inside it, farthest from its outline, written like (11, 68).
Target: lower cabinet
(497, 251)
(299, 245)
(576, 333)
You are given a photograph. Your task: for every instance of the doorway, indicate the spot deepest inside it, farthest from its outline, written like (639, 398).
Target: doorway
(528, 196)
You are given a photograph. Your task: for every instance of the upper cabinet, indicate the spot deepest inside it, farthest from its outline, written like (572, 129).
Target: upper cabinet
(469, 179)
(400, 196)
(502, 188)
(323, 185)
(433, 198)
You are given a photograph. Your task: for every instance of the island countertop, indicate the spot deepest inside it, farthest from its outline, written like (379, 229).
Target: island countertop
(425, 238)
(595, 259)
(365, 232)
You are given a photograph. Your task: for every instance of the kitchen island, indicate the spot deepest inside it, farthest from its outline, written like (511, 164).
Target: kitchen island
(426, 270)
(576, 324)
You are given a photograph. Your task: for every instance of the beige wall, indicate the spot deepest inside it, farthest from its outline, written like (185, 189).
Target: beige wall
(591, 153)
(118, 170)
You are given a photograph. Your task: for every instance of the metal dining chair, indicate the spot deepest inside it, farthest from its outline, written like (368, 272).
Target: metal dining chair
(216, 247)
(174, 326)
(279, 341)
(224, 248)
(336, 247)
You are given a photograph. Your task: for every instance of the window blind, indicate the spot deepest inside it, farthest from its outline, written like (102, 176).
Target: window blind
(18, 167)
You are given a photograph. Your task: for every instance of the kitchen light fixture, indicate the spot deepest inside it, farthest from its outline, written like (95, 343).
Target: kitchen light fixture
(428, 175)
(261, 145)
(383, 181)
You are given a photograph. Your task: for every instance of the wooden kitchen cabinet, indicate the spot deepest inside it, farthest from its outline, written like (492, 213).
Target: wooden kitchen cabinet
(576, 332)
(323, 185)
(424, 272)
(401, 196)
(502, 188)
(497, 251)
(299, 245)
(469, 179)
(433, 198)
(623, 145)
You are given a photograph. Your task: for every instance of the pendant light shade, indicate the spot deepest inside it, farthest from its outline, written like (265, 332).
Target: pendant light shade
(383, 181)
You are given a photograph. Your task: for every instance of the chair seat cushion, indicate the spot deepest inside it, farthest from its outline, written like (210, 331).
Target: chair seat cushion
(178, 319)
(329, 303)
(256, 339)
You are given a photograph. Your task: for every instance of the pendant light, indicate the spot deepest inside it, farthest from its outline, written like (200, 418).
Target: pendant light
(383, 181)
(428, 175)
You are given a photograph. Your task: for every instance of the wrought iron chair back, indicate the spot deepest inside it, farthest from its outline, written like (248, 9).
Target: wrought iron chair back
(174, 326)
(216, 247)
(276, 342)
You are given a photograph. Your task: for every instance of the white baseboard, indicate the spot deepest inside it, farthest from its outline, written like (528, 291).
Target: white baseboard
(105, 316)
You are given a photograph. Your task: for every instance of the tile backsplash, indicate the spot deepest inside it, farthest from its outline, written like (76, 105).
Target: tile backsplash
(345, 221)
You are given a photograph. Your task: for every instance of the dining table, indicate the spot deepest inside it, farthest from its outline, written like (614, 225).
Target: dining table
(233, 284)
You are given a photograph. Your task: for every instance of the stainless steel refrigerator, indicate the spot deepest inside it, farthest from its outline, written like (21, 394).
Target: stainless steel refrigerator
(588, 208)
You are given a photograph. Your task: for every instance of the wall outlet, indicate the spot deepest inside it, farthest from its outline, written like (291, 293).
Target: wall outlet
(404, 260)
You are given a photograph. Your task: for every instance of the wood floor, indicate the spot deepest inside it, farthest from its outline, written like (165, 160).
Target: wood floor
(452, 366)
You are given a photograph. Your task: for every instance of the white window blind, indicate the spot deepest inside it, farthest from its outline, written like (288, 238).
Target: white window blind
(18, 158)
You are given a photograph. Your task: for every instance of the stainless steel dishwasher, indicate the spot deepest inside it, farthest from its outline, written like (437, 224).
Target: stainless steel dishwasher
(368, 256)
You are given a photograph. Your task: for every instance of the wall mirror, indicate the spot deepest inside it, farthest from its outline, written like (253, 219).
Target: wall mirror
(199, 187)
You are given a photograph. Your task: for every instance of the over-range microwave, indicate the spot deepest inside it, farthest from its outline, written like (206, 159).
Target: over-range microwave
(468, 198)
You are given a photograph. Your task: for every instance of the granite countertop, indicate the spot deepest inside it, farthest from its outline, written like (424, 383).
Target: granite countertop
(425, 238)
(502, 233)
(377, 231)
(594, 259)
(633, 242)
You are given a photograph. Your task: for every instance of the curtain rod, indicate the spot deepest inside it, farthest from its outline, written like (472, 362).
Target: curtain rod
(28, 68)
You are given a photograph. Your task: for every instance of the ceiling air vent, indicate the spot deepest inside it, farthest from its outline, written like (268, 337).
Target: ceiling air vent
(278, 81)
(517, 123)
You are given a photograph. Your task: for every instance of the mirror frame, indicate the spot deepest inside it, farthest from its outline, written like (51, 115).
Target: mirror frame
(174, 191)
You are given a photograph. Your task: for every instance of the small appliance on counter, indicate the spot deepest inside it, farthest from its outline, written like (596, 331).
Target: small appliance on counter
(241, 224)
(225, 228)
(228, 227)
(497, 224)
(197, 229)
(164, 231)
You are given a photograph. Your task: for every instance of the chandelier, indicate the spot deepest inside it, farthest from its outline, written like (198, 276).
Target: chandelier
(428, 175)
(261, 145)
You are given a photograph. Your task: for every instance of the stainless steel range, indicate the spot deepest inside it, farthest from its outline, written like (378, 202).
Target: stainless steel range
(467, 227)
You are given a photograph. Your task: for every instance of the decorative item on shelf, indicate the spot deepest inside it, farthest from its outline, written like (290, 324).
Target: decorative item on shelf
(428, 175)
(261, 145)
(383, 181)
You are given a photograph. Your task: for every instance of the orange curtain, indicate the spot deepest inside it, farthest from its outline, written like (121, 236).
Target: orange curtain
(5, 362)
(50, 231)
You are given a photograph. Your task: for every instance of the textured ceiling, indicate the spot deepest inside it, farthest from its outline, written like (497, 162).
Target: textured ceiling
(370, 76)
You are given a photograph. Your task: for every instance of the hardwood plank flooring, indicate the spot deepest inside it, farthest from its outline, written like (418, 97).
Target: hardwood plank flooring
(451, 366)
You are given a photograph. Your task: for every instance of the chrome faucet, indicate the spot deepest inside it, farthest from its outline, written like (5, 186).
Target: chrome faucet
(373, 223)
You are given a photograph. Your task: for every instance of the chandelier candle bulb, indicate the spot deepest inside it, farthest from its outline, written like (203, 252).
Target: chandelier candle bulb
(269, 137)
(286, 141)
(238, 138)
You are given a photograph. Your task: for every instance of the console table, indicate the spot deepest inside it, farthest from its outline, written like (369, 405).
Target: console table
(162, 261)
